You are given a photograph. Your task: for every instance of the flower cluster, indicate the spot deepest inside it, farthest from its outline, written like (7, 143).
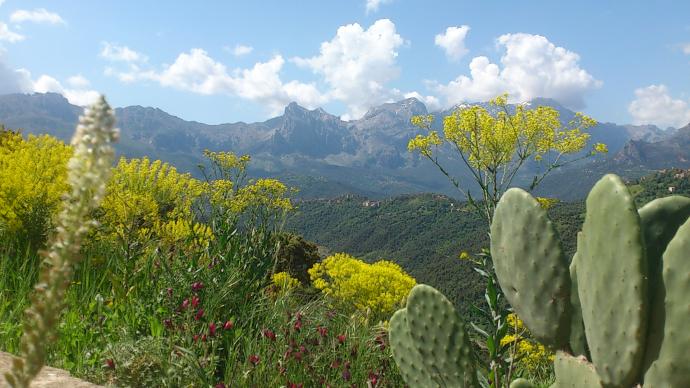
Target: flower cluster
(266, 194)
(231, 194)
(547, 203)
(148, 200)
(33, 178)
(423, 143)
(309, 349)
(532, 357)
(492, 137)
(380, 287)
(284, 282)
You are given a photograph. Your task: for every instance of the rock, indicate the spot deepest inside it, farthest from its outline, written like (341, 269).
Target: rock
(49, 377)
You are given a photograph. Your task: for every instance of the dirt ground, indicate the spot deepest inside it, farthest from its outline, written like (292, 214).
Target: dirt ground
(49, 377)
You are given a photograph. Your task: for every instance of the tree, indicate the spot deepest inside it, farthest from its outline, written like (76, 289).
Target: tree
(496, 145)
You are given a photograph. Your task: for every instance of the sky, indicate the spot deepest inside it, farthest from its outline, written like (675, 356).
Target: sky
(229, 61)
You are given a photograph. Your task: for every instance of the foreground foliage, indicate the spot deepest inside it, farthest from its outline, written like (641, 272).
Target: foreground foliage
(88, 171)
(190, 283)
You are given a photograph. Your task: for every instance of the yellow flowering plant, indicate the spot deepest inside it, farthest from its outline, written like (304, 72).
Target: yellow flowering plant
(283, 282)
(380, 287)
(547, 203)
(150, 204)
(529, 356)
(232, 195)
(33, 178)
(494, 143)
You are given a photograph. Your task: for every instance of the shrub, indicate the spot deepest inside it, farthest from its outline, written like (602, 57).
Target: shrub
(33, 175)
(380, 287)
(151, 201)
(296, 256)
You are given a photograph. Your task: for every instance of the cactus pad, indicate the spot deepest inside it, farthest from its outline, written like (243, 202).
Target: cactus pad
(578, 340)
(405, 353)
(531, 267)
(441, 337)
(521, 383)
(669, 352)
(661, 219)
(612, 283)
(575, 372)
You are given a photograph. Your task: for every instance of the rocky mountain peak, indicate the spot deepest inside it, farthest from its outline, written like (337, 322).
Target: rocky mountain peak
(404, 109)
(295, 108)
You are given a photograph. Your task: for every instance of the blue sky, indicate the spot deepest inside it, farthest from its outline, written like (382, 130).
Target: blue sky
(229, 61)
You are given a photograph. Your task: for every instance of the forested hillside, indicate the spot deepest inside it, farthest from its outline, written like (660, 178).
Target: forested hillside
(426, 233)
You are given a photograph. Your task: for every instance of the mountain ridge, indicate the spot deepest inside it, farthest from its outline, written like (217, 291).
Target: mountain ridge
(366, 155)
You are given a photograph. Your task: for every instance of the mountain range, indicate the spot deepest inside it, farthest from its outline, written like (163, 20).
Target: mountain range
(325, 156)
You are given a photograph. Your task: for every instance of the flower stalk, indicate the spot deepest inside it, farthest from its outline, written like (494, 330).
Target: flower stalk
(88, 172)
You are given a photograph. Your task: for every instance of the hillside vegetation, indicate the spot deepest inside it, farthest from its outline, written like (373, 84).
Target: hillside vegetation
(426, 233)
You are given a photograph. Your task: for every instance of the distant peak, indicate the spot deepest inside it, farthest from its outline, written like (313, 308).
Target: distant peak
(537, 101)
(294, 107)
(50, 96)
(408, 107)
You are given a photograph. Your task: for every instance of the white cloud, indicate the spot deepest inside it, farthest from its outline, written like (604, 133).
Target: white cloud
(78, 81)
(484, 82)
(114, 52)
(357, 64)
(241, 50)
(14, 81)
(39, 15)
(453, 41)
(197, 72)
(9, 36)
(531, 66)
(686, 48)
(77, 95)
(45, 84)
(373, 5)
(21, 81)
(654, 105)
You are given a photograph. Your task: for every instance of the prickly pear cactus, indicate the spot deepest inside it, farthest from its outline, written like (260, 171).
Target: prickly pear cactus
(405, 353)
(578, 340)
(430, 343)
(575, 372)
(669, 349)
(630, 282)
(521, 383)
(612, 282)
(661, 219)
(531, 267)
(622, 307)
